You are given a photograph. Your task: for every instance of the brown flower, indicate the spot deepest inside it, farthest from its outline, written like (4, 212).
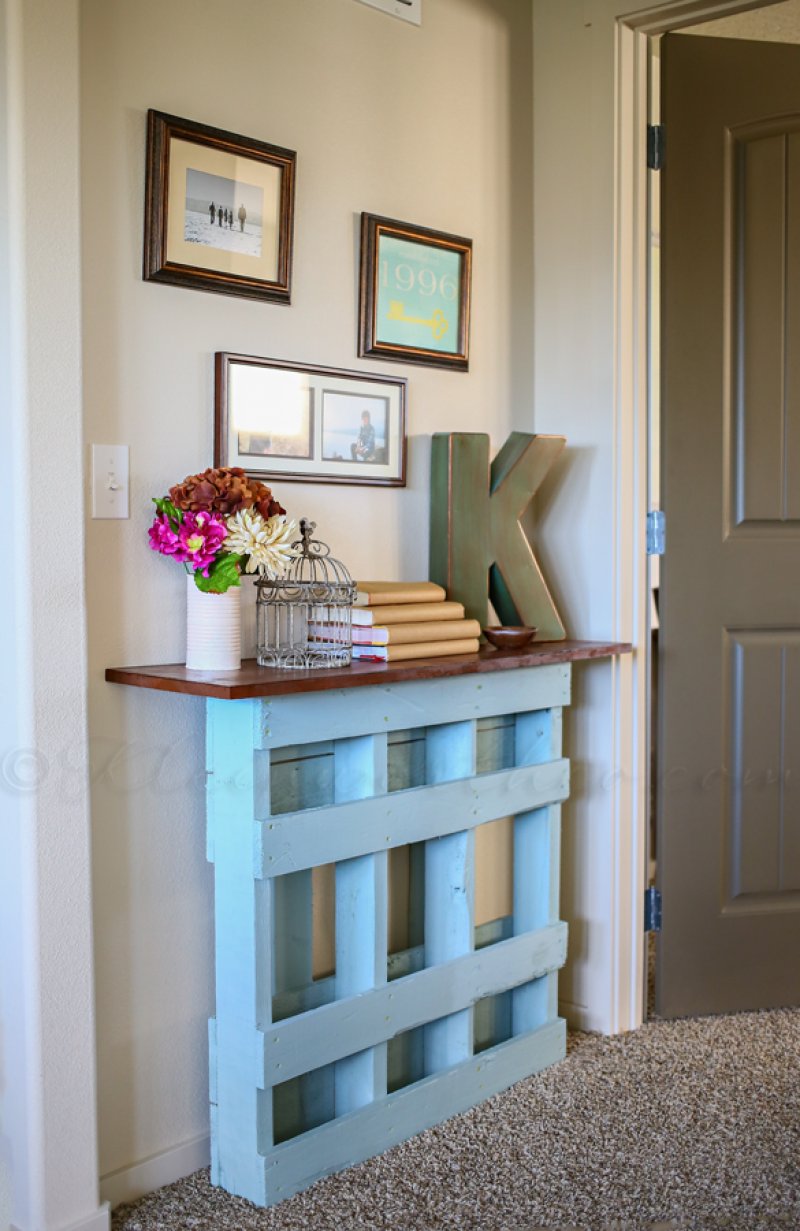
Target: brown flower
(225, 490)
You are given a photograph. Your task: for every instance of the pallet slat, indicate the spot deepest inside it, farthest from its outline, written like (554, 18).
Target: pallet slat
(395, 707)
(406, 962)
(537, 836)
(335, 1030)
(241, 1117)
(449, 892)
(361, 920)
(294, 1165)
(300, 840)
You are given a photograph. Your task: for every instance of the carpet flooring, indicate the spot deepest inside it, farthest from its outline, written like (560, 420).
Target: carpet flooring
(691, 1125)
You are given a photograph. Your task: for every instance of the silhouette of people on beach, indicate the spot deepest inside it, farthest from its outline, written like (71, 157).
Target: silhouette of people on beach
(363, 450)
(224, 216)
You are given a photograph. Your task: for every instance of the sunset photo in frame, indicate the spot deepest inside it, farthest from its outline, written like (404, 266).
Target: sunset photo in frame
(219, 210)
(296, 421)
(414, 294)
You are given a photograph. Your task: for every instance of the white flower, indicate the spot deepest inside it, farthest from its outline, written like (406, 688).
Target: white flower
(267, 543)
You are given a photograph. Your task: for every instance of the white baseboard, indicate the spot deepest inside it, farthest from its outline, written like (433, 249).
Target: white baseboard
(100, 1220)
(130, 1183)
(579, 1017)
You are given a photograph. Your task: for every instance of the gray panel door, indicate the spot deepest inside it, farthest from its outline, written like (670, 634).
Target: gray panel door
(729, 686)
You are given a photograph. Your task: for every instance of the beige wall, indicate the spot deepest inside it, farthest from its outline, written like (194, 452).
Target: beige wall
(432, 125)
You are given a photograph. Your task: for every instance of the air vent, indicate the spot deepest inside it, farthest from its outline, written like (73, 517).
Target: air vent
(406, 10)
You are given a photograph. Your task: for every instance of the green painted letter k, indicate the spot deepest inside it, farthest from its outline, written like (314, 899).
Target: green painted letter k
(478, 548)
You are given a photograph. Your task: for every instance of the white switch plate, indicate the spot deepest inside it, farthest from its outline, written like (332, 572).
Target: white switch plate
(110, 468)
(406, 10)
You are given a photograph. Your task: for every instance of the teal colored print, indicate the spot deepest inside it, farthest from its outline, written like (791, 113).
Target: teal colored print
(418, 289)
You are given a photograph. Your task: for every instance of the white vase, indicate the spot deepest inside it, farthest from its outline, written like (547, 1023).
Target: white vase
(213, 629)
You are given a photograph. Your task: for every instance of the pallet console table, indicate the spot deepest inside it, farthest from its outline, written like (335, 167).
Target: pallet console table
(349, 767)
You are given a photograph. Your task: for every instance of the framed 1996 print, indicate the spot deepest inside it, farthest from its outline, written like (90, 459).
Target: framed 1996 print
(414, 300)
(219, 210)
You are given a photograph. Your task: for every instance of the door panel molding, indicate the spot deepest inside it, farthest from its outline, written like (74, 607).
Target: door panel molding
(761, 773)
(762, 328)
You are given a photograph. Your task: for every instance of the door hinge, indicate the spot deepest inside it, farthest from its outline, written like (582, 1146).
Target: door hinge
(652, 909)
(656, 532)
(655, 146)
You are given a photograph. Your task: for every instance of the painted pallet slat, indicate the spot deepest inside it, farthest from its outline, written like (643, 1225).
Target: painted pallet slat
(536, 866)
(305, 839)
(243, 967)
(294, 1165)
(406, 962)
(301, 719)
(337, 1029)
(450, 888)
(308, 1075)
(361, 920)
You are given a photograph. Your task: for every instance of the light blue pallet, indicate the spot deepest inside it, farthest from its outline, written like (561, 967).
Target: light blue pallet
(308, 1076)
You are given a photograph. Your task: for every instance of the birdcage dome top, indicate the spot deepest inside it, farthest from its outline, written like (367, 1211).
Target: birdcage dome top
(313, 575)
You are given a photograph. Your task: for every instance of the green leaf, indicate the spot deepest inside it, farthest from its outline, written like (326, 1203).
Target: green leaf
(223, 574)
(165, 505)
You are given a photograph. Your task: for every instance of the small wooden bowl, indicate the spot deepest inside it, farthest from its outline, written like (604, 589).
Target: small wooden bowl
(509, 636)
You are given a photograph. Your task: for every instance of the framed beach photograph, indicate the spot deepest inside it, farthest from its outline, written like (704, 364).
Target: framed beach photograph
(219, 210)
(312, 424)
(414, 294)
(355, 427)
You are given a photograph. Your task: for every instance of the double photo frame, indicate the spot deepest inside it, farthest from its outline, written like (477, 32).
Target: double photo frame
(313, 424)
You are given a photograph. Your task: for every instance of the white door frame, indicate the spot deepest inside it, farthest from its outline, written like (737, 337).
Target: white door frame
(631, 620)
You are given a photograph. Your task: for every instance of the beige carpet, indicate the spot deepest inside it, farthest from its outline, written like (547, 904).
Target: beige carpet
(694, 1124)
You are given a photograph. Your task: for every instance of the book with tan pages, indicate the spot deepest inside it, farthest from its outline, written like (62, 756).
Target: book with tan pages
(407, 613)
(418, 649)
(370, 593)
(404, 634)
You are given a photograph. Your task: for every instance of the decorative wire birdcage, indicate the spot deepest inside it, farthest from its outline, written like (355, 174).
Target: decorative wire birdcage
(304, 619)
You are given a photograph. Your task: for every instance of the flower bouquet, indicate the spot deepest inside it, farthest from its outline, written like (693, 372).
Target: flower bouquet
(218, 525)
(221, 523)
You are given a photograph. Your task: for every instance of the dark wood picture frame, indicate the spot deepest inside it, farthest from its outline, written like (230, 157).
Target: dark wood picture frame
(214, 144)
(374, 324)
(389, 472)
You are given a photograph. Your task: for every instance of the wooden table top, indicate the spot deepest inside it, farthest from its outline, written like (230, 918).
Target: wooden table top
(254, 681)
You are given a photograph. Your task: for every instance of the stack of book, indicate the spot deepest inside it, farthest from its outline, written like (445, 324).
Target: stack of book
(396, 620)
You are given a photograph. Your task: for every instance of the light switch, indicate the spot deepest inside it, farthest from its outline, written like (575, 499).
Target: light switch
(110, 481)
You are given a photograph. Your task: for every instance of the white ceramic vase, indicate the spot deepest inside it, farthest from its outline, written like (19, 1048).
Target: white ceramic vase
(213, 629)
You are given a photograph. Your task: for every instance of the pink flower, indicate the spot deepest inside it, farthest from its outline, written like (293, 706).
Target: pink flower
(163, 538)
(201, 536)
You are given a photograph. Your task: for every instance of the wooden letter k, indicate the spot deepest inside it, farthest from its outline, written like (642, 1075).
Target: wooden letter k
(479, 549)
